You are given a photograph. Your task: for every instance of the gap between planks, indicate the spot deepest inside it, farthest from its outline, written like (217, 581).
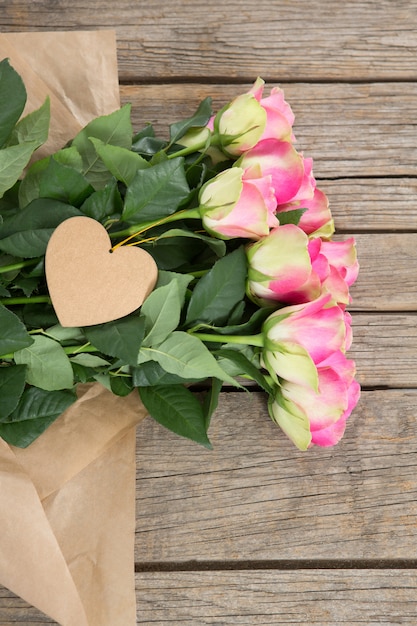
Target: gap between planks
(278, 565)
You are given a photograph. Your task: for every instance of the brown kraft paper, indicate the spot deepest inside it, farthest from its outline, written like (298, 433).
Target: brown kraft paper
(67, 502)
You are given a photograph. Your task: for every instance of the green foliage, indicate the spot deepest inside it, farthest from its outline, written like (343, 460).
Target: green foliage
(13, 334)
(218, 292)
(48, 367)
(135, 185)
(37, 409)
(121, 338)
(156, 192)
(176, 408)
(26, 233)
(162, 309)
(12, 100)
(187, 357)
(199, 119)
(18, 139)
(115, 130)
(12, 384)
(32, 128)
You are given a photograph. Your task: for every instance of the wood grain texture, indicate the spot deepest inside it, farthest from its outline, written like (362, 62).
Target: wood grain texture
(384, 349)
(16, 612)
(255, 598)
(255, 497)
(387, 278)
(262, 598)
(368, 205)
(348, 129)
(283, 40)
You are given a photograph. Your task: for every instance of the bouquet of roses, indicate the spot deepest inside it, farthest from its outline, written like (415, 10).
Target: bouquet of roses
(236, 277)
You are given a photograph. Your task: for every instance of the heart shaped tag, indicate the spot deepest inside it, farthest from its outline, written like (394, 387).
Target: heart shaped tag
(88, 284)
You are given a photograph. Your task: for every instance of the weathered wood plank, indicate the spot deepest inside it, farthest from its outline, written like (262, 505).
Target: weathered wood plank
(292, 41)
(387, 279)
(384, 348)
(325, 597)
(262, 598)
(255, 497)
(361, 205)
(349, 130)
(15, 611)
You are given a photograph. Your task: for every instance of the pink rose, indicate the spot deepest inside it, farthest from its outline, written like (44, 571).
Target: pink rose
(291, 173)
(304, 352)
(317, 220)
(297, 338)
(232, 205)
(288, 267)
(280, 267)
(250, 118)
(336, 265)
(318, 416)
(279, 116)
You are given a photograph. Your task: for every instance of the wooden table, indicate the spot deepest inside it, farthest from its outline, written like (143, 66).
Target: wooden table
(256, 532)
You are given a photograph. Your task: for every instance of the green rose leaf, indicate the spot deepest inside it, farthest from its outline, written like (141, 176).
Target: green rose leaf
(29, 185)
(13, 161)
(37, 409)
(70, 157)
(64, 183)
(89, 360)
(26, 234)
(162, 308)
(54, 180)
(150, 374)
(48, 367)
(176, 408)
(13, 333)
(187, 357)
(12, 384)
(104, 202)
(121, 338)
(217, 245)
(246, 367)
(121, 385)
(290, 217)
(33, 127)
(121, 162)
(156, 192)
(114, 129)
(145, 142)
(200, 118)
(211, 400)
(12, 99)
(218, 292)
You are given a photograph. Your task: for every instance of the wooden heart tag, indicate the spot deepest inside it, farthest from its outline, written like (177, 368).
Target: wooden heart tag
(88, 284)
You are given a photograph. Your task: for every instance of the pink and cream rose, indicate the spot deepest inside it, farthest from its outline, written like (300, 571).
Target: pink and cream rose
(233, 205)
(249, 118)
(317, 219)
(280, 267)
(291, 173)
(288, 267)
(304, 353)
(318, 416)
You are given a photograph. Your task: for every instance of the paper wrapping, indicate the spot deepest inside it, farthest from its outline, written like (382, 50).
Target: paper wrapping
(77, 70)
(67, 502)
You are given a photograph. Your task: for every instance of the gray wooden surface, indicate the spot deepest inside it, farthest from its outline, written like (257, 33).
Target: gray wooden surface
(256, 532)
